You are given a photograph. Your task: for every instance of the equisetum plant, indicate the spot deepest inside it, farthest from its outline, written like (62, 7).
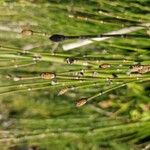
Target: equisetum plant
(101, 71)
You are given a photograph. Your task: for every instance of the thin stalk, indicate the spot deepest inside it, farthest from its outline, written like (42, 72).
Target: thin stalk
(87, 41)
(113, 88)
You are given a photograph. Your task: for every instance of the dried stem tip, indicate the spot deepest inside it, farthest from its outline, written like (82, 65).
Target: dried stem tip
(63, 91)
(47, 75)
(27, 32)
(81, 102)
(140, 69)
(104, 66)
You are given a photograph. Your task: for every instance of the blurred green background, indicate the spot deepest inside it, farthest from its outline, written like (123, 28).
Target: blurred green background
(33, 116)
